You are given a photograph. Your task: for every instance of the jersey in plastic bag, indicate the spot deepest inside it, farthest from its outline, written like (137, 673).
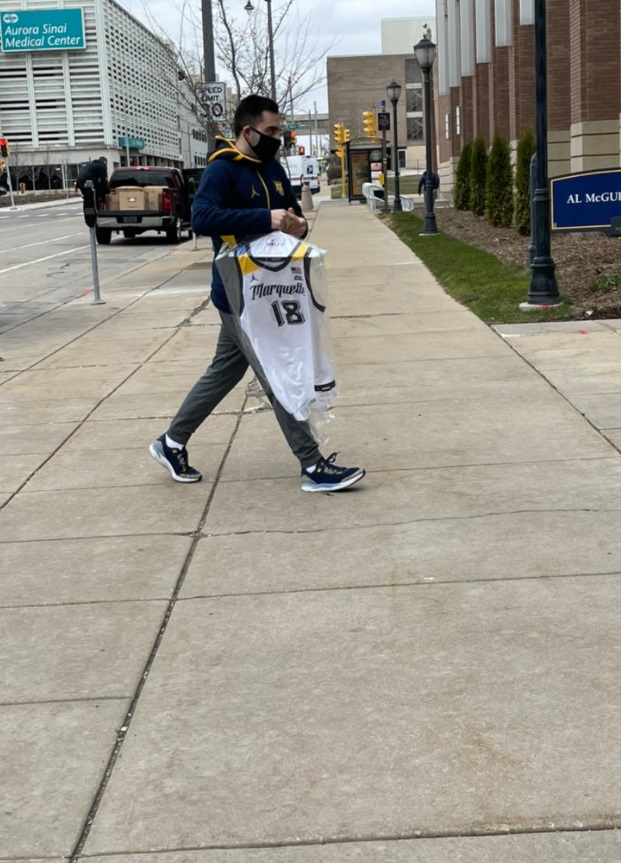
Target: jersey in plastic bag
(274, 286)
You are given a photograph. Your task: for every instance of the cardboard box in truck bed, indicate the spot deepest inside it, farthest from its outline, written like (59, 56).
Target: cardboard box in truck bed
(129, 198)
(153, 197)
(112, 200)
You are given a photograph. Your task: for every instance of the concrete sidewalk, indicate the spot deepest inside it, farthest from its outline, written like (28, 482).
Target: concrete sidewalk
(39, 205)
(235, 672)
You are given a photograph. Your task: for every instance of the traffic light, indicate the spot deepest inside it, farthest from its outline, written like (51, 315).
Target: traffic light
(5, 150)
(2, 165)
(339, 133)
(294, 140)
(301, 151)
(370, 124)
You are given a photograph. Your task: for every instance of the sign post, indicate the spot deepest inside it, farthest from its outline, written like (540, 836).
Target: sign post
(90, 217)
(383, 124)
(8, 177)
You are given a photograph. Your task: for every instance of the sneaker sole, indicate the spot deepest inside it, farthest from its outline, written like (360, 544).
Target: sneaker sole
(159, 458)
(325, 487)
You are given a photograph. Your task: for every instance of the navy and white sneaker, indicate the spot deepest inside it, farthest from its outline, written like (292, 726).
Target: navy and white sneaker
(175, 460)
(328, 476)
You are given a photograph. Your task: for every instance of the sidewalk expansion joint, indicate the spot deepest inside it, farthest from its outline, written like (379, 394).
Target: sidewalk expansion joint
(422, 835)
(410, 521)
(135, 698)
(426, 581)
(84, 419)
(76, 700)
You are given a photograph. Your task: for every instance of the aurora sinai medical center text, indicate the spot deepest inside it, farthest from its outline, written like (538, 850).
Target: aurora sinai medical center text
(31, 38)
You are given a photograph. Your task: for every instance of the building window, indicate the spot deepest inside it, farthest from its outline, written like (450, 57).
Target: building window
(413, 74)
(414, 99)
(414, 128)
(447, 126)
(458, 120)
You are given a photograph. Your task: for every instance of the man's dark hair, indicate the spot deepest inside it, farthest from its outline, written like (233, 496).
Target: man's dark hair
(249, 111)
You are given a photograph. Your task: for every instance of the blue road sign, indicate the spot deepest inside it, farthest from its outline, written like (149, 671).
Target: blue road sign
(132, 143)
(383, 121)
(42, 30)
(589, 201)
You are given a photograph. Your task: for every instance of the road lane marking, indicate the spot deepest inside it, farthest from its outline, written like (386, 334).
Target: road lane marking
(42, 242)
(40, 260)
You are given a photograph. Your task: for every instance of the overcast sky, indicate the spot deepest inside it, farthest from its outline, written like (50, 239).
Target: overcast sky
(356, 24)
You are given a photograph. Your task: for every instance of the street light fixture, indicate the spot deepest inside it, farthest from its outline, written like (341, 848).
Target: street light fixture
(270, 35)
(394, 91)
(543, 286)
(425, 53)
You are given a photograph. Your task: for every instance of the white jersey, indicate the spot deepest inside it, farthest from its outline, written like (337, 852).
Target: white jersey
(283, 319)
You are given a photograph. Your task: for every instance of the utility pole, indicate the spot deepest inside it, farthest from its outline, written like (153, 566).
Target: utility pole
(209, 60)
(317, 144)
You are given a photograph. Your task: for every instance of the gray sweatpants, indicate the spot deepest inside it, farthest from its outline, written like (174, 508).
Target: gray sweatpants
(227, 368)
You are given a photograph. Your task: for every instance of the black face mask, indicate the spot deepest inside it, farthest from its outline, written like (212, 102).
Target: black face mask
(266, 147)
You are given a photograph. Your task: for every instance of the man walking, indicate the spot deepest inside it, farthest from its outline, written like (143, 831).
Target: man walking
(245, 192)
(435, 183)
(97, 171)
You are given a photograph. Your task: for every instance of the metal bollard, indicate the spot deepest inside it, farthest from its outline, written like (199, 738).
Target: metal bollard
(307, 198)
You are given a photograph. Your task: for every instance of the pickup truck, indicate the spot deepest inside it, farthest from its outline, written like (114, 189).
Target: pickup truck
(148, 198)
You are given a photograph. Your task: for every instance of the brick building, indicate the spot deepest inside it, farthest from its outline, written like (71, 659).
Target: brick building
(486, 79)
(357, 84)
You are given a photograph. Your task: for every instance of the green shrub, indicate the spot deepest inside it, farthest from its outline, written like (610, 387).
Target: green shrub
(462, 178)
(525, 150)
(478, 177)
(499, 189)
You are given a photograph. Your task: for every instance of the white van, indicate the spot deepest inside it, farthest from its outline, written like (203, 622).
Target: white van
(302, 169)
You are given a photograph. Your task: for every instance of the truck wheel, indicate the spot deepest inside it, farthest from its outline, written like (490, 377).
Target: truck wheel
(173, 234)
(104, 236)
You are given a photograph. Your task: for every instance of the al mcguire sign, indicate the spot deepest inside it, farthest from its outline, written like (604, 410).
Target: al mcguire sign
(590, 201)
(42, 30)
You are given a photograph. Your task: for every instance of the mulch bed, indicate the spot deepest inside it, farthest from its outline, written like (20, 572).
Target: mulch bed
(588, 266)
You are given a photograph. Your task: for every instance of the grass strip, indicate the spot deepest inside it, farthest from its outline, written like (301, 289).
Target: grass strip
(490, 288)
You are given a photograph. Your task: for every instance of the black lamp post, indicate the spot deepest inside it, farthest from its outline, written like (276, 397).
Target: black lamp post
(425, 53)
(543, 287)
(270, 35)
(394, 91)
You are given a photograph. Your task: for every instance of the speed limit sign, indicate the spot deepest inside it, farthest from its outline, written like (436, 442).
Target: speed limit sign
(214, 95)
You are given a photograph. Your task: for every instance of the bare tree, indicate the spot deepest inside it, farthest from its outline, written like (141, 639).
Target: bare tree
(19, 163)
(49, 166)
(242, 49)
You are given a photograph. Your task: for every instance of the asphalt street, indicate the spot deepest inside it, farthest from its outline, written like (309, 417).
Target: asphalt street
(49, 249)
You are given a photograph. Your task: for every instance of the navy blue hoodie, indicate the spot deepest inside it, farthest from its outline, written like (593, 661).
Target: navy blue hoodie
(234, 200)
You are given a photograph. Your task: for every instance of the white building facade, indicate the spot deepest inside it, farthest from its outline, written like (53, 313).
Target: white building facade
(117, 95)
